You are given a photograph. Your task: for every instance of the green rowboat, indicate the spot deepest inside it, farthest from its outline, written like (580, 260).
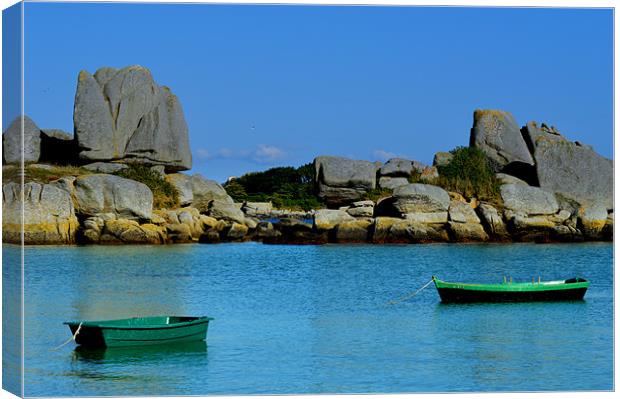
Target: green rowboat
(559, 290)
(138, 331)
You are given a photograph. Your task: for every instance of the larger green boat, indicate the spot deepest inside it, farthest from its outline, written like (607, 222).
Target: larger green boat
(558, 290)
(139, 331)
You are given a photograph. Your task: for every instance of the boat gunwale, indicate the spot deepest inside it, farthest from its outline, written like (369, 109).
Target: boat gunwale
(100, 324)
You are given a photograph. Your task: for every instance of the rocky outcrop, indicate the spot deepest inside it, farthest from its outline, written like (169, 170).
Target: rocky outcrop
(196, 187)
(498, 135)
(101, 193)
(399, 167)
(414, 199)
(48, 212)
(327, 219)
(526, 200)
(225, 211)
(464, 224)
(257, 208)
(124, 115)
(592, 221)
(533, 214)
(292, 231)
(341, 181)
(493, 222)
(361, 209)
(12, 142)
(403, 231)
(467, 232)
(572, 169)
(354, 231)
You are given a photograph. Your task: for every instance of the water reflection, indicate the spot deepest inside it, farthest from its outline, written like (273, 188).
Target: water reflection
(139, 354)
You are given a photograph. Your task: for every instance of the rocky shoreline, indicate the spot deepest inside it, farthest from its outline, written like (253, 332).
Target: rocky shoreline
(550, 189)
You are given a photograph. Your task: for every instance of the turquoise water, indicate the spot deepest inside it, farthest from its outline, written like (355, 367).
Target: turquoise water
(314, 319)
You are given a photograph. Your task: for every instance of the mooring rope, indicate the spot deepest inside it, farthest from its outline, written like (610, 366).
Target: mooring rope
(70, 339)
(409, 295)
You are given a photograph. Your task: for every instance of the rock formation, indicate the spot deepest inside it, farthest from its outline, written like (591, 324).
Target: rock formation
(124, 115)
(498, 135)
(197, 187)
(12, 142)
(572, 169)
(48, 211)
(101, 193)
(340, 180)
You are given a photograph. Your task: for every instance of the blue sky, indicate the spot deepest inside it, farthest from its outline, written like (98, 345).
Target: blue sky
(266, 86)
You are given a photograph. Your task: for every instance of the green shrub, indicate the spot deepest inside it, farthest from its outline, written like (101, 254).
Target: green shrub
(286, 187)
(165, 195)
(470, 174)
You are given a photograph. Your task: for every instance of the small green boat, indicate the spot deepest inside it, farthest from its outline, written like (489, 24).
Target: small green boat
(559, 290)
(138, 331)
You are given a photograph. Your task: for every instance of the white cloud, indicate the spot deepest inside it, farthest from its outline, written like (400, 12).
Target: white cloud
(383, 155)
(262, 153)
(267, 153)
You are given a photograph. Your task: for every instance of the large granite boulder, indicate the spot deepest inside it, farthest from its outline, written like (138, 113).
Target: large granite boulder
(341, 181)
(493, 222)
(498, 135)
(124, 114)
(257, 208)
(12, 142)
(396, 230)
(48, 211)
(361, 209)
(101, 193)
(526, 200)
(399, 167)
(122, 231)
(390, 183)
(224, 210)
(572, 169)
(355, 231)
(196, 187)
(415, 199)
(462, 212)
(467, 232)
(592, 220)
(327, 219)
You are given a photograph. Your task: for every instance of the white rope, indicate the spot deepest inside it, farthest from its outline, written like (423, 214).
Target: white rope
(409, 295)
(70, 339)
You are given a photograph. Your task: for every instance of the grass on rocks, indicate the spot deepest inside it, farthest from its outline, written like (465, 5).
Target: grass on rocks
(40, 173)
(377, 194)
(165, 195)
(470, 174)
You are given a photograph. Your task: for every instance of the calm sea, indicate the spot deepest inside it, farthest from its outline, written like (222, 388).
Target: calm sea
(314, 319)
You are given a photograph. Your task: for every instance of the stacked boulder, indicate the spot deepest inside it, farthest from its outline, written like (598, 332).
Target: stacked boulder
(122, 114)
(552, 188)
(341, 181)
(398, 172)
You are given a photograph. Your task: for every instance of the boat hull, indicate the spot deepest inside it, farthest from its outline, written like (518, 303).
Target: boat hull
(95, 336)
(455, 295)
(560, 290)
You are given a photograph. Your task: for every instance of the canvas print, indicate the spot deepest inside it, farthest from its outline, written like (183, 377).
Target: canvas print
(245, 199)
